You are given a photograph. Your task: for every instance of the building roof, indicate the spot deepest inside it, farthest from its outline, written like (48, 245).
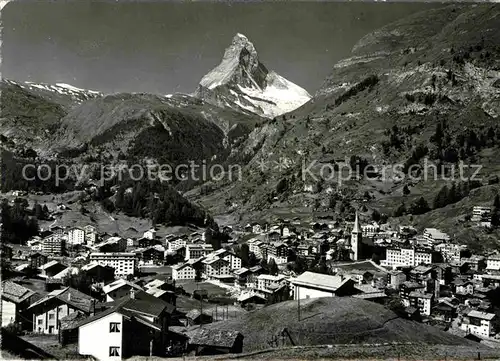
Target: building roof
(241, 271)
(203, 336)
(49, 264)
(318, 280)
(195, 313)
(65, 272)
(72, 320)
(148, 303)
(248, 296)
(213, 260)
(410, 284)
(271, 277)
(22, 267)
(113, 254)
(118, 284)
(70, 296)
(125, 310)
(154, 283)
(422, 269)
(181, 266)
(200, 246)
(15, 293)
(482, 315)
(157, 292)
(420, 295)
(92, 265)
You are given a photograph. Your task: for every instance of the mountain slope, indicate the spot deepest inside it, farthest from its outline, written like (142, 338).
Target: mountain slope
(382, 104)
(27, 117)
(176, 128)
(243, 83)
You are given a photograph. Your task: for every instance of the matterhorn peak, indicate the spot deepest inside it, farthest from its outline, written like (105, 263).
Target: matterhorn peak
(243, 83)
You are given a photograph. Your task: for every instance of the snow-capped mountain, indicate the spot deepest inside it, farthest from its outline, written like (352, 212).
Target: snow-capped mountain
(77, 95)
(243, 83)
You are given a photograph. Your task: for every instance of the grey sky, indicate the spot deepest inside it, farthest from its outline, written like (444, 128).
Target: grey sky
(164, 47)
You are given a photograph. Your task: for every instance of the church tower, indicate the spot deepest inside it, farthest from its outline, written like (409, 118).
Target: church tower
(356, 235)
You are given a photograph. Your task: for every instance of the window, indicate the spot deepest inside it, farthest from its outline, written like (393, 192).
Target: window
(40, 321)
(114, 351)
(114, 327)
(51, 316)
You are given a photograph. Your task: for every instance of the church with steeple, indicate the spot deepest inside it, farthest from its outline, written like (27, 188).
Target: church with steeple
(356, 240)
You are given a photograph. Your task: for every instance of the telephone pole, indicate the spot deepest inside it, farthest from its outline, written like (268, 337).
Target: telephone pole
(298, 304)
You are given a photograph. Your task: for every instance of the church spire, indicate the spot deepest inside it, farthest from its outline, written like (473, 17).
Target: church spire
(356, 228)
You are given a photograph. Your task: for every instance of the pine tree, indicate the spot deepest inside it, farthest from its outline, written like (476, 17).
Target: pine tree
(441, 198)
(38, 211)
(419, 207)
(400, 211)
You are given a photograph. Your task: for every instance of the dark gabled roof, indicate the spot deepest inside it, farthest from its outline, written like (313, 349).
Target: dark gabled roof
(15, 293)
(96, 316)
(133, 308)
(70, 321)
(149, 303)
(145, 307)
(70, 296)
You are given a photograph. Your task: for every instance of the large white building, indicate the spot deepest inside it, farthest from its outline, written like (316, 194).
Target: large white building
(493, 262)
(406, 257)
(150, 234)
(76, 236)
(478, 323)
(233, 260)
(314, 285)
(254, 246)
(183, 272)
(452, 252)
(422, 301)
(124, 263)
(90, 234)
(53, 245)
(215, 267)
(264, 281)
(370, 230)
(174, 244)
(197, 250)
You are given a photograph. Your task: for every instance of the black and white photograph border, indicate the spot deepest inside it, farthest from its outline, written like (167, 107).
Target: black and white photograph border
(272, 180)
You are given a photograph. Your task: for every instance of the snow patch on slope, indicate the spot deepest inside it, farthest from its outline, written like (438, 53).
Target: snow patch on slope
(278, 97)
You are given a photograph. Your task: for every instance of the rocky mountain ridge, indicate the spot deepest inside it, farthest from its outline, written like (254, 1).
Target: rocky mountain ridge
(243, 83)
